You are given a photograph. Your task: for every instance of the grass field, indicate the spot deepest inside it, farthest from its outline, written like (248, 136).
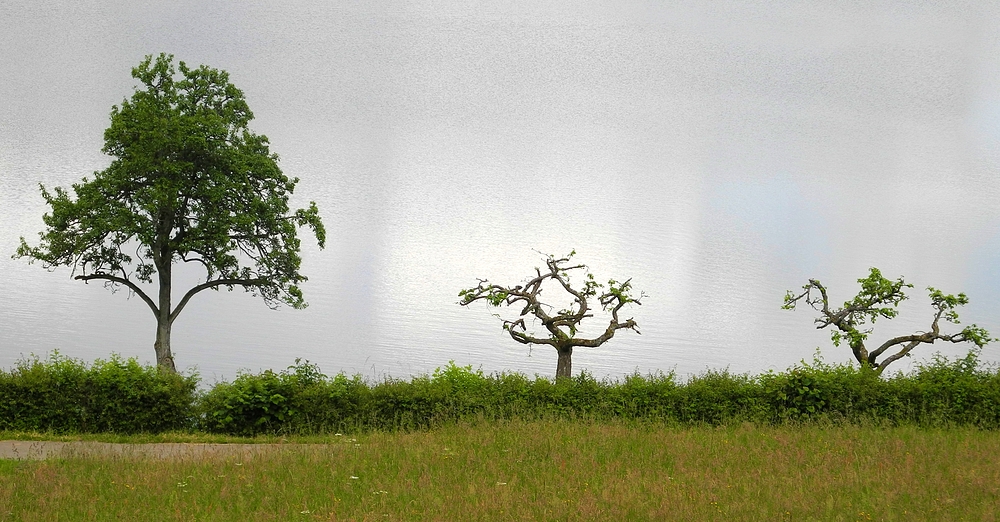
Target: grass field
(561, 470)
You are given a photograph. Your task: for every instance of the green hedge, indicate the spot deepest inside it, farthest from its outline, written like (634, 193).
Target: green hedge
(303, 400)
(64, 395)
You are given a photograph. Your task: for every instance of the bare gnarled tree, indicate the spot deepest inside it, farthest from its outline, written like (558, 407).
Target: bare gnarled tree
(562, 326)
(878, 298)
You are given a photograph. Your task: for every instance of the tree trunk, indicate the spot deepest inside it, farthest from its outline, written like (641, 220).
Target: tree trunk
(565, 366)
(164, 357)
(860, 353)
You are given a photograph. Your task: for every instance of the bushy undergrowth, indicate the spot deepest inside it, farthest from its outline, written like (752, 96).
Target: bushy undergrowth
(65, 395)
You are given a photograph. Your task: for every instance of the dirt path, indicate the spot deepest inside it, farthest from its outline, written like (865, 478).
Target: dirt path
(40, 450)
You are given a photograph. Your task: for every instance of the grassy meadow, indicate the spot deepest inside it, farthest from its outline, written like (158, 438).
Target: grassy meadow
(814, 442)
(538, 470)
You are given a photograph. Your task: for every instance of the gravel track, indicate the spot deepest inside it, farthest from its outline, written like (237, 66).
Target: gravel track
(41, 450)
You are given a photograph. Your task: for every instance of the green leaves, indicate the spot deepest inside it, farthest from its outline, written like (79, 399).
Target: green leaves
(878, 298)
(189, 181)
(492, 294)
(977, 335)
(789, 302)
(946, 304)
(622, 291)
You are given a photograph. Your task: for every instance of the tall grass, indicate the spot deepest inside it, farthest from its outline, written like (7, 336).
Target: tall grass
(66, 396)
(539, 470)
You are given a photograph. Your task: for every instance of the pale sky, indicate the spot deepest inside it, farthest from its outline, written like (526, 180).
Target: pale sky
(719, 153)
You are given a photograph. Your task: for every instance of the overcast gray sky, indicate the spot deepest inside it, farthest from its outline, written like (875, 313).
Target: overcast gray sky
(719, 153)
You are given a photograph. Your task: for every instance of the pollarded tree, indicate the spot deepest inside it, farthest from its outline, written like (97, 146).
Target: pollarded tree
(562, 326)
(189, 182)
(879, 297)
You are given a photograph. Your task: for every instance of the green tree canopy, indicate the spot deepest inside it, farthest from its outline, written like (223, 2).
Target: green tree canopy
(189, 182)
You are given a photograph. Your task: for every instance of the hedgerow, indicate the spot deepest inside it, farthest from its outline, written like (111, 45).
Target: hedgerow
(67, 396)
(64, 395)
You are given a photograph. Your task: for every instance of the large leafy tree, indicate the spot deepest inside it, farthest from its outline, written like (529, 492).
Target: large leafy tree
(879, 298)
(561, 326)
(188, 182)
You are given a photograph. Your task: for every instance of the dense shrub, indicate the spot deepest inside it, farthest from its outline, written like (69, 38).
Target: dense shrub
(951, 393)
(64, 395)
(120, 396)
(716, 397)
(833, 392)
(299, 399)
(942, 392)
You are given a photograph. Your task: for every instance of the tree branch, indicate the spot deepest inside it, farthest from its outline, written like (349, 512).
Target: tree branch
(879, 298)
(607, 335)
(879, 367)
(617, 297)
(213, 284)
(523, 337)
(121, 280)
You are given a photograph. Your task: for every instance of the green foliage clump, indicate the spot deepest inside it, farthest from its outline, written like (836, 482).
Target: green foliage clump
(960, 392)
(64, 395)
(300, 398)
(943, 392)
(835, 392)
(188, 181)
(716, 397)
